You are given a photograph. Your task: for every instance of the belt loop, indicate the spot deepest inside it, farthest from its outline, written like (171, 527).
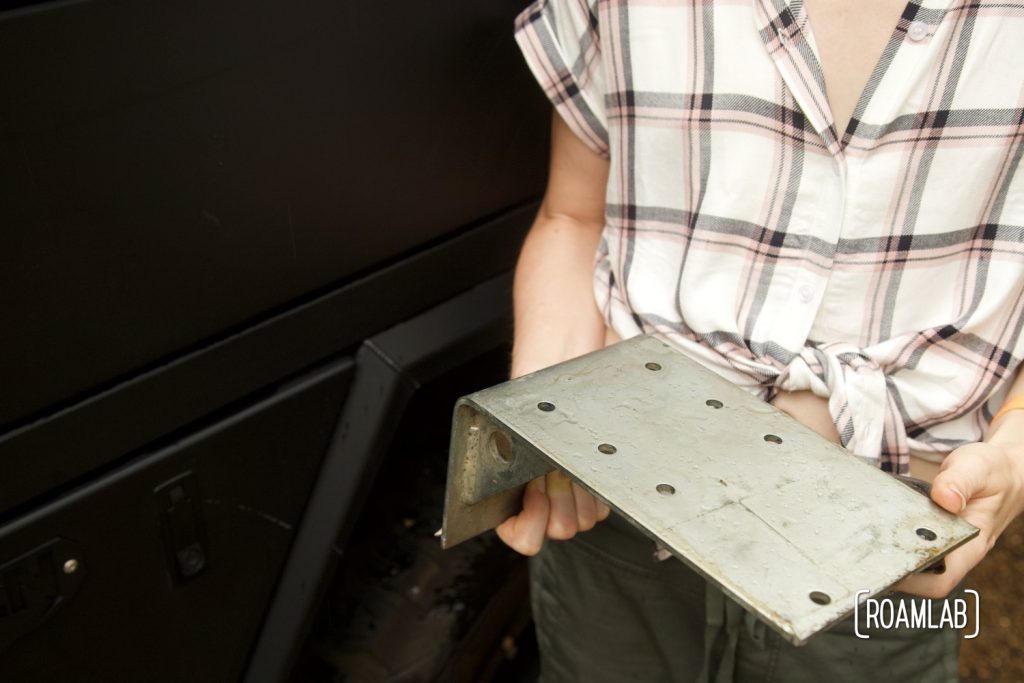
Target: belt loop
(723, 619)
(756, 628)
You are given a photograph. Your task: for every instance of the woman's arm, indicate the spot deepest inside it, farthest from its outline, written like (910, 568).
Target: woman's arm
(556, 318)
(555, 314)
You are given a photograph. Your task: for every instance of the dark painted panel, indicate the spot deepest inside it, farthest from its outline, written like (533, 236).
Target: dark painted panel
(47, 455)
(174, 171)
(134, 617)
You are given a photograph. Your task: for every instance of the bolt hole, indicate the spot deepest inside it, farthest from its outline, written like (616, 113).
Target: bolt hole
(545, 406)
(501, 447)
(713, 403)
(665, 489)
(771, 438)
(653, 366)
(819, 598)
(607, 448)
(925, 533)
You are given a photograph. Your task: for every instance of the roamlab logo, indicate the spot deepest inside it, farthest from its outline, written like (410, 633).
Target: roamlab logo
(886, 613)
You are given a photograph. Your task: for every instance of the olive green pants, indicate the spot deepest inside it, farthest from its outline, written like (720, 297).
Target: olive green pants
(606, 611)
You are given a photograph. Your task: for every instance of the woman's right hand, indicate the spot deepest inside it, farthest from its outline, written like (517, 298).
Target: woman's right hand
(553, 507)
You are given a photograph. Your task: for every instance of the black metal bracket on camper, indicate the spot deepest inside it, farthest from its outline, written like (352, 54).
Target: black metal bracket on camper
(35, 585)
(389, 368)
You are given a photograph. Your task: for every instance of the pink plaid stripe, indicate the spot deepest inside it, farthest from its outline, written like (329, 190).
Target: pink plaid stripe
(881, 266)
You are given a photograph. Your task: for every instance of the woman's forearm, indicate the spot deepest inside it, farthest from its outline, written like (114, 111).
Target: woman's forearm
(556, 317)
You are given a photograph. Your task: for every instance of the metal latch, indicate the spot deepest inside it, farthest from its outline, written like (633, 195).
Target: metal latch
(181, 524)
(784, 521)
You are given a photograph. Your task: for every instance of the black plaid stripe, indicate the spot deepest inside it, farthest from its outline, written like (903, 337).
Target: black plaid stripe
(871, 266)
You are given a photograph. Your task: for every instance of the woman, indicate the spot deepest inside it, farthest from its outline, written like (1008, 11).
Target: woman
(821, 202)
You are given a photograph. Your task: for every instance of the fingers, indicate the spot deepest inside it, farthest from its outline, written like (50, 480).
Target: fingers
(589, 510)
(968, 476)
(958, 563)
(573, 508)
(586, 509)
(562, 520)
(524, 532)
(553, 507)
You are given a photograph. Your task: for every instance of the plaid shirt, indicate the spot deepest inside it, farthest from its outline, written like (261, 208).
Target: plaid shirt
(880, 266)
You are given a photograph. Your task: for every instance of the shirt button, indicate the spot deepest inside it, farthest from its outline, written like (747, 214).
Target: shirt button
(918, 30)
(806, 293)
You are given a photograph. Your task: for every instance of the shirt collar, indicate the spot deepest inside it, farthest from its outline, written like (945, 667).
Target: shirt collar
(784, 29)
(781, 25)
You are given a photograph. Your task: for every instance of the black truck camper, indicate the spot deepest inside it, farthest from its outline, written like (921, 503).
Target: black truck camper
(250, 253)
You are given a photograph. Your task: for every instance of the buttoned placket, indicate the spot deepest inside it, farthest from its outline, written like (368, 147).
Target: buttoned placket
(792, 52)
(787, 36)
(798, 66)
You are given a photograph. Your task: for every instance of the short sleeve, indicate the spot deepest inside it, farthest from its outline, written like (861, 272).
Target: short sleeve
(560, 42)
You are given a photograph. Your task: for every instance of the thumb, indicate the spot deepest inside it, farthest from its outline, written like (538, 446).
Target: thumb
(961, 479)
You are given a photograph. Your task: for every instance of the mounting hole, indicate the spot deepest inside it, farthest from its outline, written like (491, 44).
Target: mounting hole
(545, 406)
(665, 489)
(501, 447)
(926, 533)
(653, 366)
(819, 598)
(606, 448)
(714, 403)
(771, 438)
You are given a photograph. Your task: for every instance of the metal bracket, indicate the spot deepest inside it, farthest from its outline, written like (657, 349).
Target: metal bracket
(34, 586)
(784, 521)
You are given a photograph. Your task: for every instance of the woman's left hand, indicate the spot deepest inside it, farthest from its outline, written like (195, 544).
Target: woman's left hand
(983, 483)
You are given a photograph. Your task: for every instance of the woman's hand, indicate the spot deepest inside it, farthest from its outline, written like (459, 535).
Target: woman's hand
(553, 507)
(983, 483)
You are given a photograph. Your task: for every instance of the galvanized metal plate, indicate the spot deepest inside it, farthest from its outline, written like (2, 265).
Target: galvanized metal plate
(784, 521)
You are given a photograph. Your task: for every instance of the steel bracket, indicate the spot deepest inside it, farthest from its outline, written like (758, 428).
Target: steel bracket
(784, 521)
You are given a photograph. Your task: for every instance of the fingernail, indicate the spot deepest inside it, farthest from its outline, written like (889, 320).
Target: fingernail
(560, 484)
(963, 498)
